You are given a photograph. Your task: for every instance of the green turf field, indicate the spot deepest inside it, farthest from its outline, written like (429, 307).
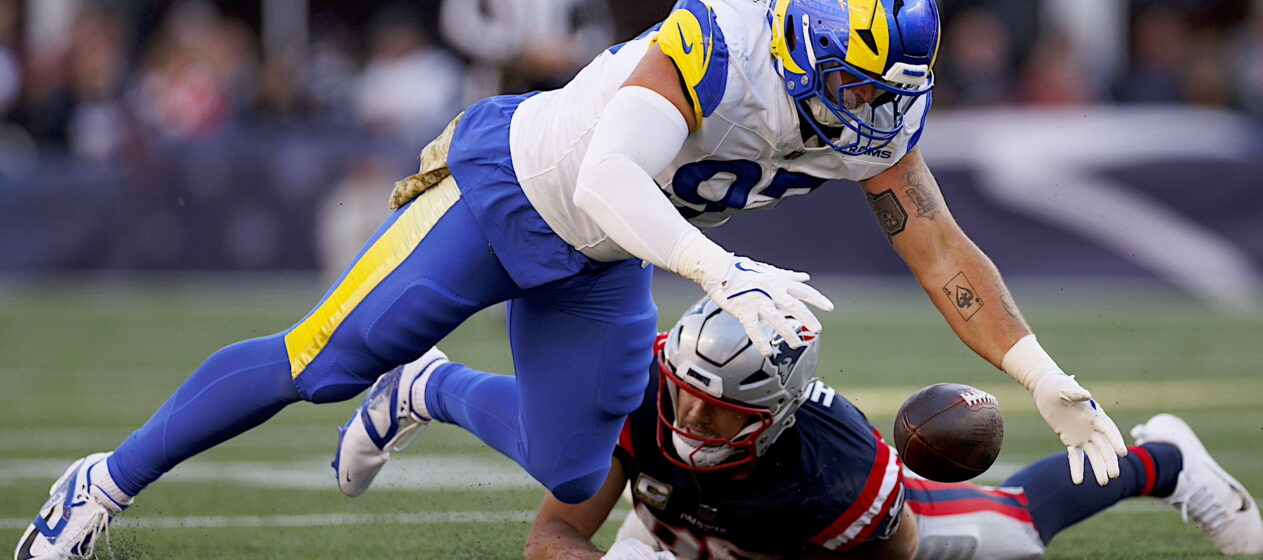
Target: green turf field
(84, 364)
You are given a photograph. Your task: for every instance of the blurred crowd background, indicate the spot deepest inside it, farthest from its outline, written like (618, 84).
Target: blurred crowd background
(264, 134)
(99, 78)
(93, 76)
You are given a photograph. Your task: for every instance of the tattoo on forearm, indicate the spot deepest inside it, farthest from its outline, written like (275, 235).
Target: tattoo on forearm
(962, 295)
(1010, 306)
(927, 202)
(1006, 300)
(890, 213)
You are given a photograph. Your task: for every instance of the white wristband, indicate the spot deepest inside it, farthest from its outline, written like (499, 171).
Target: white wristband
(1027, 361)
(701, 260)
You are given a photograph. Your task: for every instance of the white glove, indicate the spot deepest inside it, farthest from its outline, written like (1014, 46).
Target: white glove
(756, 293)
(632, 549)
(1083, 426)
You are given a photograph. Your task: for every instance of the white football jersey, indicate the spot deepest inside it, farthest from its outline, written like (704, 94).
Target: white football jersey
(747, 153)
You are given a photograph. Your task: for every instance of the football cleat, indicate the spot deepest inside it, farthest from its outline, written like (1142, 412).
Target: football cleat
(1204, 492)
(76, 514)
(387, 421)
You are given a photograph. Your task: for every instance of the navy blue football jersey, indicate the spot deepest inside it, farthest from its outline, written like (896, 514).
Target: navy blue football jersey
(829, 480)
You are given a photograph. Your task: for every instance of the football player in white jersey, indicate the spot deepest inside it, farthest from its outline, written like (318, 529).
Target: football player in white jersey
(551, 202)
(734, 455)
(731, 106)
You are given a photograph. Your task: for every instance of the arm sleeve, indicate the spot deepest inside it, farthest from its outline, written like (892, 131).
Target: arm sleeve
(637, 136)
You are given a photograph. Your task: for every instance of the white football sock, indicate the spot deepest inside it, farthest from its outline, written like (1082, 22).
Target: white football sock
(99, 478)
(419, 382)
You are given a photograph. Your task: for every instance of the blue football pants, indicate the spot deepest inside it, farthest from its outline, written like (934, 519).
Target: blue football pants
(581, 349)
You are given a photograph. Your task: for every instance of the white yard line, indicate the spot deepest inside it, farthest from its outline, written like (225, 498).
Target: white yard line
(315, 520)
(436, 472)
(405, 473)
(1211, 394)
(349, 519)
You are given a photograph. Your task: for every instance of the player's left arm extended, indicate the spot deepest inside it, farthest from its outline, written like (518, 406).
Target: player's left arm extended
(960, 280)
(564, 531)
(967, 289)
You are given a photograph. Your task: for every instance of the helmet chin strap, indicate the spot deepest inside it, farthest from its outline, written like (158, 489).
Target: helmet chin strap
(693, 452)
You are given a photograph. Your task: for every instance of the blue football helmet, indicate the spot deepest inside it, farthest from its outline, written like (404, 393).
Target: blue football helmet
(826, 49)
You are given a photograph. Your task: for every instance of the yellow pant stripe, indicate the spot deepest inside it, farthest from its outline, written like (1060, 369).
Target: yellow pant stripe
(307, 339)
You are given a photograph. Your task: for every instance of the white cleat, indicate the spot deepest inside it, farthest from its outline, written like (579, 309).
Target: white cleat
(387, 421)
(1204, 492)
(74, 517)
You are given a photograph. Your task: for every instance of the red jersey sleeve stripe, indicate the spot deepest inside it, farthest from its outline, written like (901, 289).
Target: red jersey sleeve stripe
(1001, 493)
(877, 520)
(1014, 493)
(961, 507)
(883, 479)
(892, 486)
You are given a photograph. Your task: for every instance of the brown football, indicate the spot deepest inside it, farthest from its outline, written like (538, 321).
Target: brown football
(949, 432)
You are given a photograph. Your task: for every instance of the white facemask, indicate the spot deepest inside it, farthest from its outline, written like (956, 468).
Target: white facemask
(693, 452)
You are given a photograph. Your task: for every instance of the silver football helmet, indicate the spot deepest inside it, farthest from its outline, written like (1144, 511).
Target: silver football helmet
(708, 355)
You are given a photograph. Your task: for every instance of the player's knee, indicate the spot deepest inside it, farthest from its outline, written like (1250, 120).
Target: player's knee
(327, 383)
(575, 480)
(580, 489)
(335, 393)
(259, 357)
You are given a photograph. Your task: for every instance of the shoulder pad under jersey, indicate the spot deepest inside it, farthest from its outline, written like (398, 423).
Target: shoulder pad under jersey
(691, 37)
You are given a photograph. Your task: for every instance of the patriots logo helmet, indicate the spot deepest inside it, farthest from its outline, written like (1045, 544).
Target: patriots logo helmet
(708, 355)
(854, 68)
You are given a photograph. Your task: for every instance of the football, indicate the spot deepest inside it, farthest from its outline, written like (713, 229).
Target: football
(949, 432)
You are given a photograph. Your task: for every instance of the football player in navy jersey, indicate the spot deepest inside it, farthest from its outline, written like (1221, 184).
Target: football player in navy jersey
(734, 455)
(551, 201)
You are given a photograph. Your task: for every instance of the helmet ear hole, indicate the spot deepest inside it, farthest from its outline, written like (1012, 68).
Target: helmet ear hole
(755, 377)
(791, 36)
